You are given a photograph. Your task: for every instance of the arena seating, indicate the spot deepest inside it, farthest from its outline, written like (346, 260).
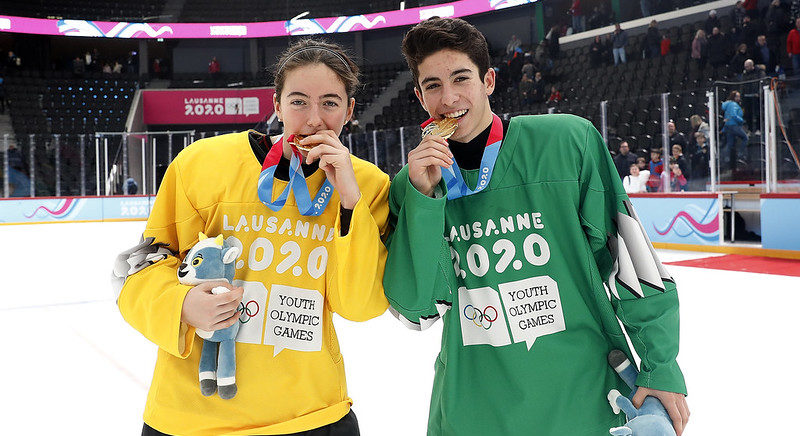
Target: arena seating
(203, 11)
(633, 90)
(61, 105)
(110, 10)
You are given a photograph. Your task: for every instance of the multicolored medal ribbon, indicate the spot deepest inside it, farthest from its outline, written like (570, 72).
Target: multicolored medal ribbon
(297, 183)
(456, 186)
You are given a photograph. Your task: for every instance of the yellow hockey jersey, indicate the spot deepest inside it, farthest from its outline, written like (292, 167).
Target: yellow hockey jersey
(296, 271)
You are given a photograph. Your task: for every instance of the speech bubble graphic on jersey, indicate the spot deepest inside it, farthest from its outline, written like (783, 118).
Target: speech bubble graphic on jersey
(294, 319)
(533, 308)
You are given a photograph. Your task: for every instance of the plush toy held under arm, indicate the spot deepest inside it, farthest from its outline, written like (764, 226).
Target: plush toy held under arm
(651, 419)
(211, 259)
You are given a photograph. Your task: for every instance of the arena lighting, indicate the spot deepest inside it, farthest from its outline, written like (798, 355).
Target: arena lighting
(299, 25)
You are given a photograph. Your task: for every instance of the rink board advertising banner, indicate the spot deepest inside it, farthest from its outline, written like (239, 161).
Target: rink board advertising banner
(779, 214)
(207, 106)
(299, 25)
(70, 209)
(680, 218)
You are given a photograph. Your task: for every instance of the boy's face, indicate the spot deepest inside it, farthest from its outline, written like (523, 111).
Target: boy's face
(655, 157)
(450, 86)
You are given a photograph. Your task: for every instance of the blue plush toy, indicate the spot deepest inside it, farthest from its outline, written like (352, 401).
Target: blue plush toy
(651, 419)
(211, 259)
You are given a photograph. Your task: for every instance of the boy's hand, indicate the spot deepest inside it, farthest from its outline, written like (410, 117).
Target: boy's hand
(424, 163)
(207, 311)
(674, 403)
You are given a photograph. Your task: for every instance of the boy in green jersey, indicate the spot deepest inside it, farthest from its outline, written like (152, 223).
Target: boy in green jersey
(520, 236)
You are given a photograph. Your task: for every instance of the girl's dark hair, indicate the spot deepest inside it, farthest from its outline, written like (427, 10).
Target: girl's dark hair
(435, 34)
(732, 95)
(316, 51)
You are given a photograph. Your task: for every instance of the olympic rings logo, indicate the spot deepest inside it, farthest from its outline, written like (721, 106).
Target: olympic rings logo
(484, 318)
(247, 311)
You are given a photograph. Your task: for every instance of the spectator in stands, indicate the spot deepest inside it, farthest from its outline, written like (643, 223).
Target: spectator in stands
(641, 162)
(541, 56)
(699, 51)
(578, 24)
(666, 43)
(675, 179)
(711, 22)
(634, 182)
(596, 19)
(117, 68)
(555, 96)
(749, 32)
(777, 23)
(718, 53)
(596, 52)
(751, 75)
(763, 55)
(13, 62)
(733, 119)
(656, 168)
(751, 8)
(78, 67)
(87, 58)
(2, 94)
(736, 64)
(538, 88)
(700, 162)
(106, 69)
(698, 125)
(157, 68)
(619, 41)
(17, 173)
(675, 137)
(624, 159)
(552, 42)
(214, 67)
(132, 62)
(653, 40)
(677, 154)
(527, 66)
(513, 44)
(793, 47)
(737, 14)
(525, 88)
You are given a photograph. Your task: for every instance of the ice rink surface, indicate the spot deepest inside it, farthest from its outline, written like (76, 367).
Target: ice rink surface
(73, 366)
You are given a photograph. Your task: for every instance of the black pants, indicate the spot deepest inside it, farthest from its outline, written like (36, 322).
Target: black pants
(347, 426)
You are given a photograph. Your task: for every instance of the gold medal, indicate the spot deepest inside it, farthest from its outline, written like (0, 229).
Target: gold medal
(444, 128)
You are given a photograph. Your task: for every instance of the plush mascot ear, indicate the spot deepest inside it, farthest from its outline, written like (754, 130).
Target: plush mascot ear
(219, 240)
(230, 255)
(201, 236)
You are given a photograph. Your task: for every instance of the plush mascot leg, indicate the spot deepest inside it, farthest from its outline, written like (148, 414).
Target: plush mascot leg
(226, 371)
(208, 368)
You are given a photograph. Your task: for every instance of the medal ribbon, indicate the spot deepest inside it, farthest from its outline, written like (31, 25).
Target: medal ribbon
(297, 183)
(456, 186)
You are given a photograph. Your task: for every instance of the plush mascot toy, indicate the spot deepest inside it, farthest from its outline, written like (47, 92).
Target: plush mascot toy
(211, 259)
(651, 419)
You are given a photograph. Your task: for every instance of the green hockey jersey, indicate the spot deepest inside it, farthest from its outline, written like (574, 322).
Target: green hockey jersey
(532, 277)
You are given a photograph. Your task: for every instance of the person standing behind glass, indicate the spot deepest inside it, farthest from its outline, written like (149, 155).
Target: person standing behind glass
(734, 120)
(619, 41)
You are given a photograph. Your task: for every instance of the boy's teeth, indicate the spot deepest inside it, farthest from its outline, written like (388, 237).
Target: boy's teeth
(455, 114)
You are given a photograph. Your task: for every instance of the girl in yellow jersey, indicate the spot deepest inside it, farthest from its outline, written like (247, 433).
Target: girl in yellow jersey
(309, 226)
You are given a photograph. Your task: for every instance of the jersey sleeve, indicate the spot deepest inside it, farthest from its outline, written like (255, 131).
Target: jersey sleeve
(145, 278)
(643, 293)
(420, 278)
(355, 288)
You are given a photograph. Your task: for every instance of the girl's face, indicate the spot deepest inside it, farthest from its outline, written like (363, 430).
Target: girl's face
(313, 99)
(634, 171)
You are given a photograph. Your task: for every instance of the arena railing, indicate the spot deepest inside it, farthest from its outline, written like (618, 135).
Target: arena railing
(763, 159)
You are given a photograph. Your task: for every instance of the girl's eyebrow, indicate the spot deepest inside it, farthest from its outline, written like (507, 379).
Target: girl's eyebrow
(300, 94)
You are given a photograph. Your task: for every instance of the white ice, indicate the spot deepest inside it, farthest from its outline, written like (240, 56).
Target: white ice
(71, 365)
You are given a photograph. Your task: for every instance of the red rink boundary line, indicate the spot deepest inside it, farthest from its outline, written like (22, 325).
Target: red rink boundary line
(752, 264)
